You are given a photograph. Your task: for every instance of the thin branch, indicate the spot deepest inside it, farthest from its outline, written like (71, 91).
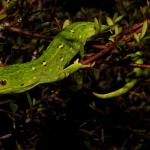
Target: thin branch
(97, 55)
(29, 33)
(146, 66)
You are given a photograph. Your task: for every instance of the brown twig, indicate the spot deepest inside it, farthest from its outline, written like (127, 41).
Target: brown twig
(140, 66)
(29, 33)
(129, 32)
(144, 66)
(128, 36)
(97, 55)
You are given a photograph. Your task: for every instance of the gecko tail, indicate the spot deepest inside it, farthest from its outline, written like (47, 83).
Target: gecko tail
(130, 84)
(118, 92)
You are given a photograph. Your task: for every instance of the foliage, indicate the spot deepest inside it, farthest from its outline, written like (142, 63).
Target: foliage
(49, 115)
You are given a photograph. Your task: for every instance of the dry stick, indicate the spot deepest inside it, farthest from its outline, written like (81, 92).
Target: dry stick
(130, 31)
(29, 33)
(144, 66)
(140, 66)
(97, 55)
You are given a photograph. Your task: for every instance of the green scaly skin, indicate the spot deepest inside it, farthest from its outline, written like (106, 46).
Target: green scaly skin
(51, 65)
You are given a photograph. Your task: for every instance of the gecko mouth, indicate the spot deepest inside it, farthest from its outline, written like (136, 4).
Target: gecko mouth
(18, 89)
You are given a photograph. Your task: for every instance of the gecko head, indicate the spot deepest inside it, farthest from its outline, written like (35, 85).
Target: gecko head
(79, 31)
(87, 30)
(10, 86)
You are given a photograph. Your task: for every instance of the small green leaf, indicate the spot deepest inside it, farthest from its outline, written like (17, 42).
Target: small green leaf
(13, 107)
(18, 146)
(136, 37)
(120, 30)
(34, 101)
(115, 16)
(29, 99)
(147, 38)
(111, 38)
(144, 28)
(99, 27)
(118, 19)
(116, 29)
(97, 24)
(66, 23)
(2, 16)
(104, 28)
(143, 9)
(109, 21)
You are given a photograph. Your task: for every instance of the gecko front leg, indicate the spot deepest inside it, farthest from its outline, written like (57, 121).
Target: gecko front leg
(70, 69)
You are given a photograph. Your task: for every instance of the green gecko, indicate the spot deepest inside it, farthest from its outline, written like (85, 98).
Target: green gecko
(51, 65)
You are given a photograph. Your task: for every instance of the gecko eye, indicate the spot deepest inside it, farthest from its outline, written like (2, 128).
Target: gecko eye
(3, 82)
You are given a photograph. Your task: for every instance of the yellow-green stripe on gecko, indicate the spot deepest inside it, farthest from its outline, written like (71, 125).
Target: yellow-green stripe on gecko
(130, 82)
